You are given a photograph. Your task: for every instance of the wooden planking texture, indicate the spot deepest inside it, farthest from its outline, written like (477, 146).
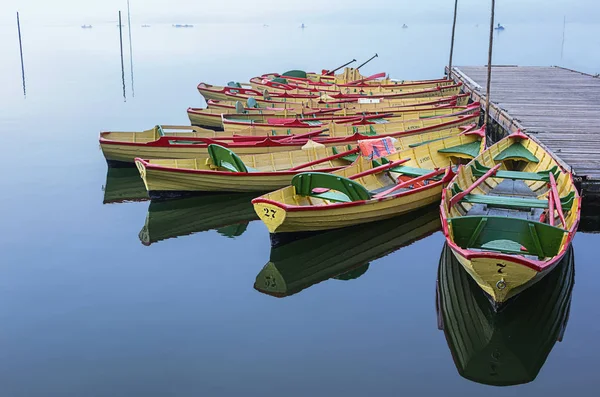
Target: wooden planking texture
(558, 107)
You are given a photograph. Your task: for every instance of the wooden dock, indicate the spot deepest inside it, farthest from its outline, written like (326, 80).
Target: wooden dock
(559, 108)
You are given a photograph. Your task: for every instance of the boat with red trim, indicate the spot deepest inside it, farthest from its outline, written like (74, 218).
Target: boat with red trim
(510, 216)
(368, 190)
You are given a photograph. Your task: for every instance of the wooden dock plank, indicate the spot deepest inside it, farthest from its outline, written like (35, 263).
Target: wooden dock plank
(557, 107)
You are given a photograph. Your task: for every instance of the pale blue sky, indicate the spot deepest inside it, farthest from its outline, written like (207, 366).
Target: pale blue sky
(309, 11)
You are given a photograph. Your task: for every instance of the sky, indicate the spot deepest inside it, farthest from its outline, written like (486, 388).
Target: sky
(307, 11)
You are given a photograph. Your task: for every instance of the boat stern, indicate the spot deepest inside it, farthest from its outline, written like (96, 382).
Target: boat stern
(272, 215)
(270, 281)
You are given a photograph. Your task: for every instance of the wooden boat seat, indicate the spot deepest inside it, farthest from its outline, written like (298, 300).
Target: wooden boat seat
(468, 149)
(479, 170)
(507, 235)
(329, 187)
(516, 151)
(225, 158)
(508, 202)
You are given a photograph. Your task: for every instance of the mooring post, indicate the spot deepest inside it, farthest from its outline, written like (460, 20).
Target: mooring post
(562, 46)
(130, 48)
(21, 51)
(122, 64)
(489, 71)
(452, 41)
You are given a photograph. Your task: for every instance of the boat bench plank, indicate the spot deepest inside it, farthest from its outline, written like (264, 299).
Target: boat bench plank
(542, 176)
(510, 202)
(468, 149)
(496, 232)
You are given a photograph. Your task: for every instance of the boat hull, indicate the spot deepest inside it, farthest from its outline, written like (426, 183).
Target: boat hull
(279, 219)
(501, 277)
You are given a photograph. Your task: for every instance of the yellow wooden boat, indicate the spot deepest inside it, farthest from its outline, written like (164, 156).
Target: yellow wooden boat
(370, 124)
(176, 142)
(340, 254)
(350, 76)
(510, 216)
(228, 214)
(366, 192)
(213, 117)
(282, 85)
(223, 171)
(362, 104)
(228, 93)
(507, 347)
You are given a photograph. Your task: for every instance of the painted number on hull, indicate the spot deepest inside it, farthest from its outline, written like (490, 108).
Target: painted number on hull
(269, 213)
(500, 267)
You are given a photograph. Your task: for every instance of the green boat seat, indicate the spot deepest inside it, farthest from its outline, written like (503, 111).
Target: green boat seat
(160, 130)
(239, 107)
(479, 170)
(468, 149)
(251, 103)
(516, 151)
(225, 158)
(351, 157)
(234, 84)
(295, 73)
(279, 80)
(507, 235)
(508, 202)
(329, 187)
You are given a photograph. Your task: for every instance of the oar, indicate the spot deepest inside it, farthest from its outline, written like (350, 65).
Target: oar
(325, 159)
(373, 77)
(331, 72)
(410, 182)
(367, 61)
(456, 198)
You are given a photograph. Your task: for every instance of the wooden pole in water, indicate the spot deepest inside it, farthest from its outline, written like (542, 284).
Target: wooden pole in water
(562, 46)
(21, 52)
(489, 71)
(130, 48)
(122, 64)
(452, 42)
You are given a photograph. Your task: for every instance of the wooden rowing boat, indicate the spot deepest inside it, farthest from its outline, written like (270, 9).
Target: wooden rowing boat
(366, 191)
(348, 76)
(281, 85)
(510, 215)
(123, 185)
(224, 171)
(228, 214)
(228, 93)
(213, 117)
(341, 254)
(177, 142)
(508, 347)
(363, 104)
(368, 124)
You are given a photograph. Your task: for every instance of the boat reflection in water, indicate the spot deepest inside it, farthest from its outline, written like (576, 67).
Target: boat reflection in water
(124, 185)
(229, 214)
(508, 347)
(343, 254)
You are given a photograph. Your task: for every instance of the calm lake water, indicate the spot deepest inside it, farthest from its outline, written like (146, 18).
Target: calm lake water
(98, 297)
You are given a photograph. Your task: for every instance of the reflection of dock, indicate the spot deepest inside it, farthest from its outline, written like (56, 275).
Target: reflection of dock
(229, 214)
(342, 254)
(508, 347)
(556, 106)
